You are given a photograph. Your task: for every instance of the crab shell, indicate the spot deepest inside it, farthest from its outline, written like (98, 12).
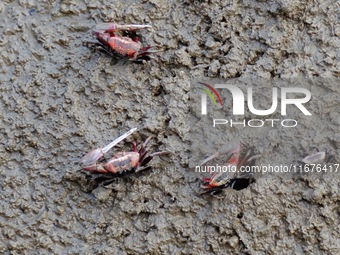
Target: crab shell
(121, 162)
(125, 46)
(219, 180)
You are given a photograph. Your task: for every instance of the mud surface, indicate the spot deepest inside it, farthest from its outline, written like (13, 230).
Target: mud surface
(59, 100)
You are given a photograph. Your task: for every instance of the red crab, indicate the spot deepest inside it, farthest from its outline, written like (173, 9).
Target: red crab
(232, 178)
(121, 41)
(121, 163)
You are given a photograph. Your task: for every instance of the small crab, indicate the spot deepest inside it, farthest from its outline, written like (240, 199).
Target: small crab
(317, 157)
(234, 180)
(121, 163)
(121, 41)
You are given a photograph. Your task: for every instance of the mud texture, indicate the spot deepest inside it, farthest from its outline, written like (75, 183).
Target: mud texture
(59, 100)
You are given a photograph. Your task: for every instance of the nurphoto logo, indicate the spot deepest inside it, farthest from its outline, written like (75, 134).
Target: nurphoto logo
(289, 96)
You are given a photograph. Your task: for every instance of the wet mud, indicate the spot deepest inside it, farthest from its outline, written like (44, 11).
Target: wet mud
(59, 99)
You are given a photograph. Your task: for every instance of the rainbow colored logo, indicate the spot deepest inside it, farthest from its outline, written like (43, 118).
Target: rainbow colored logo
(211, 91)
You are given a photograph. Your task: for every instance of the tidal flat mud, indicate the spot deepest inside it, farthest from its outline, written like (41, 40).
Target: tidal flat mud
(59, 99)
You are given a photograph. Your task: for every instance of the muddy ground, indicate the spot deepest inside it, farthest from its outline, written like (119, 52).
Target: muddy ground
(59, 99)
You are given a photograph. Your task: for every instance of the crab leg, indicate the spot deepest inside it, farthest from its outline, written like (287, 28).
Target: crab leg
(146, 160)
(93, 156)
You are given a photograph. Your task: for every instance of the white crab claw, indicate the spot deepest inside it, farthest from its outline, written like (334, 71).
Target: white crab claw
(93, 156)
(118, 140)
(227, 149)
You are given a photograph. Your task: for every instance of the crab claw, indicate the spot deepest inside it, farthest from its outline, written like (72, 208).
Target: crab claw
(112, 27)
(132, 27)
(315, 158)
(226, 149)
(91, 158)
